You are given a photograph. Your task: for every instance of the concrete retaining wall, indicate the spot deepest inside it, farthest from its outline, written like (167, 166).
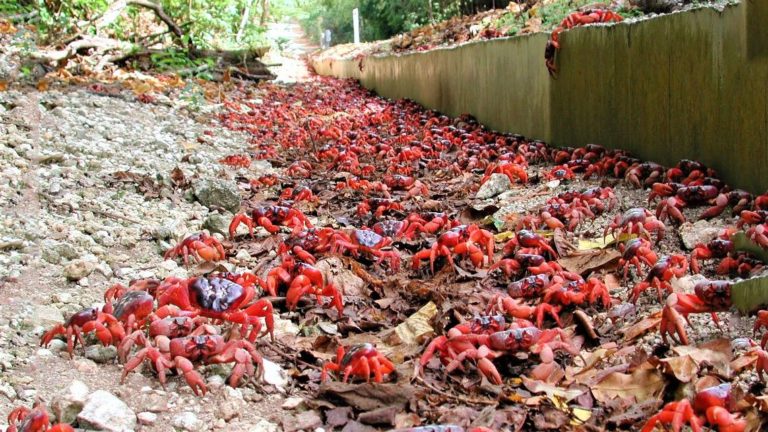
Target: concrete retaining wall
(686, 85)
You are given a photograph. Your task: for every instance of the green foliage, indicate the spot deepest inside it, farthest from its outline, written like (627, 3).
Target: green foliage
(209, 23)
(380, 19)
(174, 59)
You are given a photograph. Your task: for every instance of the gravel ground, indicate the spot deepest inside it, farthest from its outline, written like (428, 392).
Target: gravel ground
(70, 230)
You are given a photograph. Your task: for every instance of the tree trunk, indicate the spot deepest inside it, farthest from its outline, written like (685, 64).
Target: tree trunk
(264, 12)
(244, 20)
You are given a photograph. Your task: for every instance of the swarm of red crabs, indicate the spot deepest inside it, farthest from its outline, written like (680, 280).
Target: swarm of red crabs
(375, 189)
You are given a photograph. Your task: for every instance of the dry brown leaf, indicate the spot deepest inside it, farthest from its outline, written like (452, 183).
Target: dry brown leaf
(644, 383)
(3, 86)
(742, 362)
(415, 328)
(536, 386)
(641, 327)
(716, 353)
(585, 262)
(684, 368)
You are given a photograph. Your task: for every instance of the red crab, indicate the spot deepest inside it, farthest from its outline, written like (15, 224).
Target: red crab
(560, 172)
(243, 161)
(201, 246)
(299, 193)
(366, 242)
(578, 292)
(360, 361)
(483, 348)
(269, 218)
(407, 183)
(301, 279)
(717, 248)
(661, 273)
(378, 206)
(636, 221)
(529, 287)
(532, 263)
(708, 297)
(710, 406)
(515, 308)
(644, 174)
(635, 252)
(429, 222)
(109, 324)
(173, 326)
(463, 239)
(760, 322)
(307, 242)
(528, 242)
(589, 16)
(739, 199)
(181, 353)
(218, 298)
(300, 169)
(512, 170)
(23, 419)
(670, 207)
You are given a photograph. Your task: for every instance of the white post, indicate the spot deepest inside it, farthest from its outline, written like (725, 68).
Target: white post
(356, 24)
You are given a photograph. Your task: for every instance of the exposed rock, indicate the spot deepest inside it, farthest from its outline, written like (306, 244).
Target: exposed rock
(187, 421)
(274, 374)
(701, 231)
(495, 185)
(78, 269)
(104, 411)
(218, 193)
(146, 418)
(308, 420)
(217, 223)
(68, 404)
(45, 316)
(100, 353)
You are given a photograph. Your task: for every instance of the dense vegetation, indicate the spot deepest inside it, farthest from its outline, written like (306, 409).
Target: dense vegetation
(381, 19)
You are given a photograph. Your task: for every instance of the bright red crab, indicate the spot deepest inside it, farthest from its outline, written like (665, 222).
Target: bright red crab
(589, 16)
(560, 172)
(532, 263)
(661, 273)
(635, 252)
(366, 242)
(710, 406)
(515, 308)
(527, 241)
(300, 169)
(579, 292)
(242, 161)
(201, 246)
(708, 297)
(109, 324)
(359, 361)
(483, 348)
(378, 206)
(513, 171)
(270, 217)
(684, 196)
(23, 419)
(219, 298)
(407, 183)
(463, 240)
(638, 221)
(301, 279)
(299, 193)
(181, 354)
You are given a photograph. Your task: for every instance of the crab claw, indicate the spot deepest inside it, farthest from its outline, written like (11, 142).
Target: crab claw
(193, 378)
(672, 322)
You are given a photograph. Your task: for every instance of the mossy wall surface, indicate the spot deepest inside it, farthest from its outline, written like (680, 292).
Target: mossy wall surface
(685, 85)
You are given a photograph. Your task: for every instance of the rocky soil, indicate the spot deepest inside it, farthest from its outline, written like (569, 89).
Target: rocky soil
(90, 198)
